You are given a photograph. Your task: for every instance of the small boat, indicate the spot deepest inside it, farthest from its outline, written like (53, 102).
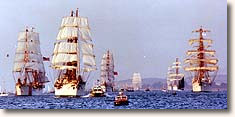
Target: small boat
(97, 91)
(130, 89)
(121, 99)
(3, 94)
(147, 89)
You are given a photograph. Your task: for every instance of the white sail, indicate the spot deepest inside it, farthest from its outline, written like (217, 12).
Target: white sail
(107, 69)
(88, 57)
(74, 26)
(31, 46)
(67, 33)
(136, 81)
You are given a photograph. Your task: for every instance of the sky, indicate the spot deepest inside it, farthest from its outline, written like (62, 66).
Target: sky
(144, 35)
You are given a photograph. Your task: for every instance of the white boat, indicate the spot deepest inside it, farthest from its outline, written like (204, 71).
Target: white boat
(73, 56)
(201, 62)
(29, 71)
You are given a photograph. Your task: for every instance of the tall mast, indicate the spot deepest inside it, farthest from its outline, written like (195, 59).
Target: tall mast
(201, 60)
(78, 48)
(26, 55)
(108, 67)
(177, 69)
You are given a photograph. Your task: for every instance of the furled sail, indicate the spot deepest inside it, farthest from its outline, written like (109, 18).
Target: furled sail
(194, 61)
(201, 61)
(192, 41)
(211, 52)
(208, 68)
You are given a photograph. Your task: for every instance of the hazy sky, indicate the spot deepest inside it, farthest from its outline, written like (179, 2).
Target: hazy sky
(144, 35)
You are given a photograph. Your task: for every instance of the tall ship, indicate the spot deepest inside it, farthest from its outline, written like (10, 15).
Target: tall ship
(107, 71)
(73, 57)
(175, 79)
(136, 81)
(28, 70)
(201, 62)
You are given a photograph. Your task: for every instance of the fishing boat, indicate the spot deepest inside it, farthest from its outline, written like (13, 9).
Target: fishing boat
(201, 62)
(136, 81)
(175, 79)
(121, 99)
(107, 71)
(73, 57)
(28, 70)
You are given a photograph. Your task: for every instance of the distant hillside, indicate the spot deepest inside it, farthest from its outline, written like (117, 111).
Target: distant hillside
(159, 83)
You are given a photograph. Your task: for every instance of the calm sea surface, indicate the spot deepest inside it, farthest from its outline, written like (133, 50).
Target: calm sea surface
(137, 100)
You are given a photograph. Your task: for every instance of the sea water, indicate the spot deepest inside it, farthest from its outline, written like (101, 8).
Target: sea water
(137, 100)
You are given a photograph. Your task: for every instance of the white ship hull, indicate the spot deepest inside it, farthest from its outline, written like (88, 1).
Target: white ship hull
(27, 90)
(23, 90)
(3, 94)
(196, 87)
(70, 90)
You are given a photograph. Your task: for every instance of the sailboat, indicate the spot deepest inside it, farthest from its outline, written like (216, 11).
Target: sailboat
(3, 91)
(136, 81)
(73, 56)
(201, 62)
(175, 79)
(107, 71)
(28, 70)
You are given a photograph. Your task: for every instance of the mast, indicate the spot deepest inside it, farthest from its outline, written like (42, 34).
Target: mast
(26, 56)
(78, 49)
(201, 60)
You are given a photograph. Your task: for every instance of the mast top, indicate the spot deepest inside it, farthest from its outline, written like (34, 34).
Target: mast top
(72, 13)
(177, 59)
(201, 30)
(26, 29)
(77, 12)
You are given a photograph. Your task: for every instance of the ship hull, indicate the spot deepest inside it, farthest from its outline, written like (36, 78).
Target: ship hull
(23, 90)
(38, 91)
(197, 87)
(70, 90)
(97, 94)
